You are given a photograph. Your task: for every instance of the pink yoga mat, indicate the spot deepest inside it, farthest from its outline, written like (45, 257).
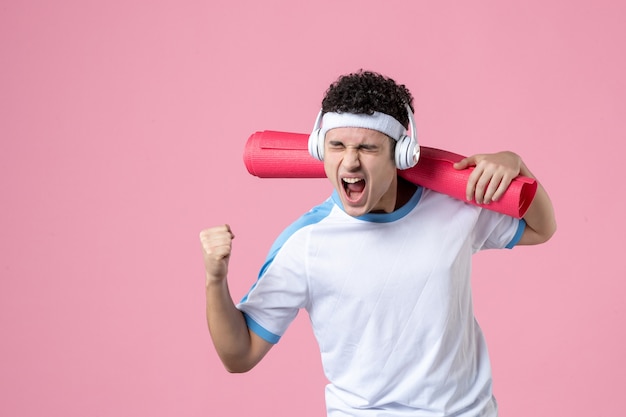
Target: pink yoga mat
(271, 154)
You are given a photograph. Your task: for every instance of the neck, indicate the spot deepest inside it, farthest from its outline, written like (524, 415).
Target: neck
(404, 193)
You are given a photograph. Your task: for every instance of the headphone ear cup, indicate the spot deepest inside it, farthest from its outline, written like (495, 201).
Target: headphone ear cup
(316, 145)
(407, 148)
(405, 152)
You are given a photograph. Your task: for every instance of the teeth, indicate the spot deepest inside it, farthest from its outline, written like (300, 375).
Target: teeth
(352, 180)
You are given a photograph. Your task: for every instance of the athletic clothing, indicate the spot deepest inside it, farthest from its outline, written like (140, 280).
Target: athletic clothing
(389, 299)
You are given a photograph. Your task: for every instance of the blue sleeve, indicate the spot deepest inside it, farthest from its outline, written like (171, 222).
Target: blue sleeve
(261, 331)
(518, 234)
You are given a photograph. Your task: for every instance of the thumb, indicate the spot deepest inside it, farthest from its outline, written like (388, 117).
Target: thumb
(465, 163)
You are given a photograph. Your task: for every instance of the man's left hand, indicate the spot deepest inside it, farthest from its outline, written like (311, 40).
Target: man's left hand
(491, 176)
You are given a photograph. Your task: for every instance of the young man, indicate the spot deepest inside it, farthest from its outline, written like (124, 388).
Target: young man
(382, 267)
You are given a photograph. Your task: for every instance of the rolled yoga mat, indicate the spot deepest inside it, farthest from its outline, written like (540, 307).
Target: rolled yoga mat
(272, 154)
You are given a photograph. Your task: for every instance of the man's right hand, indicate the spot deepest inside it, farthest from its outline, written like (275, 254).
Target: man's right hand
(239, 348)
(216, 248)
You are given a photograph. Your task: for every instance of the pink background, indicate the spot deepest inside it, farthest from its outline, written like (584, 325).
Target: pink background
(122, 127)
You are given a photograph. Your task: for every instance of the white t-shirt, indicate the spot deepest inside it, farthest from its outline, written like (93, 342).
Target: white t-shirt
(389, 299)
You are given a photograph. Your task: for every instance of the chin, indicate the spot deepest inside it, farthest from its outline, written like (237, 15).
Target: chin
(354, 211)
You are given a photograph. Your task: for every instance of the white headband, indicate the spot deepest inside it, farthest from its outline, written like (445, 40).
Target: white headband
(380, 122)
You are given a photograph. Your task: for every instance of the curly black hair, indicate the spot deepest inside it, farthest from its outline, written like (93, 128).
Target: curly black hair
(365, 92)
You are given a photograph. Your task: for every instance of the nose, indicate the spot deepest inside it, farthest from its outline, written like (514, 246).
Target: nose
(351, 159)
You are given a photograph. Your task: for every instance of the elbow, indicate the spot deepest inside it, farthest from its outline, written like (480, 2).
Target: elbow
(552, 232)
(544, 236)
(237, 368)
(548, 232)
(537, 236)
(237, 365)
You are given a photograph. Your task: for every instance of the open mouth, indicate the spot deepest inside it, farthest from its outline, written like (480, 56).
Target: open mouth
(353, 187)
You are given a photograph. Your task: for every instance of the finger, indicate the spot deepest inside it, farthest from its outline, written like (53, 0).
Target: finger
(472, 182)
(218, 253)
(465, 163)
(227, 227)
(223, 230)
(217, 249)
(216, 241)
(493, 186)
(481, 186)
(502, 187)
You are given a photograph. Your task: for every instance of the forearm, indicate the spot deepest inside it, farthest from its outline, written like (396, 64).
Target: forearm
(228, 328)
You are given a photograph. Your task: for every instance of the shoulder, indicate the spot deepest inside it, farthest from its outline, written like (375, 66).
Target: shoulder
(443, 205)
(293, 236)
(314, 216)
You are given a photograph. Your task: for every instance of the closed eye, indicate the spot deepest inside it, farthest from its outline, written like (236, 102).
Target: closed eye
(335, 144)
(368, 148)
(338, 145)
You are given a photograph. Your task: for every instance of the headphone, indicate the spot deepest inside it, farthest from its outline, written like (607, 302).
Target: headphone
(407, 149)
